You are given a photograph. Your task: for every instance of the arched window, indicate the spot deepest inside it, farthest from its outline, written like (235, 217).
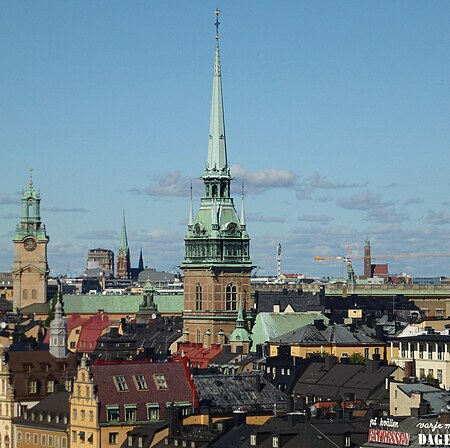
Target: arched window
(34, 294)
(25, 294)
(198, 297)
(198, 338)
(231, 297)
(214, 191)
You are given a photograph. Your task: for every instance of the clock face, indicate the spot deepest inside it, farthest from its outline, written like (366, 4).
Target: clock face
(232, 228)
(30, 244)
(197, 229)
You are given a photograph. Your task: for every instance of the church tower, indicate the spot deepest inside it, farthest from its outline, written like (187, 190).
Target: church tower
(58, 331)
(30, 268)
(217, 263)
(123, 256)
(367, 260)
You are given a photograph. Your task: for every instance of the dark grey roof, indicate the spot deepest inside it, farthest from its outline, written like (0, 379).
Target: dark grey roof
(235, 391)
(300, 301)
(342, 379)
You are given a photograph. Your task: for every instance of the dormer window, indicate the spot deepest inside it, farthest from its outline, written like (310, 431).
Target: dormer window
(275, 442)
(253, 439)
(32, 386)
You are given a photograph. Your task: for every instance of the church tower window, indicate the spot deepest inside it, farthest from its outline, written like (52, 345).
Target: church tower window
(231, 298)
(198, 297)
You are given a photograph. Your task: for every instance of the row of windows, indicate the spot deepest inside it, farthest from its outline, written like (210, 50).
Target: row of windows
(230, 297)
(130, 412)
(33, 386)
(431, 373)
(33, 294)
(82, 415)
(43, 440)
(140, 382)
(83, 437)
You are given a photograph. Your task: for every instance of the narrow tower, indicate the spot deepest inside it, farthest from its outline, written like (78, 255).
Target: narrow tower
(123, 255)
(58, 331)
(217, 263)
(30, 268)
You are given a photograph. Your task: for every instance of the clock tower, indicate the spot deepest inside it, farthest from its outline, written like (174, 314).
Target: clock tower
(217, 263)
(30, 268)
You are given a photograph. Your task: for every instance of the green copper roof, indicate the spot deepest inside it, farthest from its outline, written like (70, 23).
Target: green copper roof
(271, 325)
(87, 304)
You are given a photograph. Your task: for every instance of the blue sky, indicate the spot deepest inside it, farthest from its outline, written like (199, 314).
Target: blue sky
(337, 118)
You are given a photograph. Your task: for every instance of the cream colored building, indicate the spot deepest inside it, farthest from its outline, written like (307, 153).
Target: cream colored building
(424, 355)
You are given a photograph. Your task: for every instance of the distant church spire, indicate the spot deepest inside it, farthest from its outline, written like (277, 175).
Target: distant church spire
(141, 262)
(123, 236)
(123, 256)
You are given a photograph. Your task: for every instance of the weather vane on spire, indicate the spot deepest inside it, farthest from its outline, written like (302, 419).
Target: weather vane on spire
(217, 12)
(31, 179)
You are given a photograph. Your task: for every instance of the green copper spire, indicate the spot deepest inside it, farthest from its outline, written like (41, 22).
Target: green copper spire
(240, 333)
(123, 247)
(216, 235)
(30, 221)
(217, 162)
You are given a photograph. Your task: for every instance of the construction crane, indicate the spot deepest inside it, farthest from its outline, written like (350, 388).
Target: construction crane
(361, 257)
(347, 260)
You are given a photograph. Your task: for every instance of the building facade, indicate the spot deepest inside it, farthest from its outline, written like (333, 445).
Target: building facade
(217, 263)
(30, 268)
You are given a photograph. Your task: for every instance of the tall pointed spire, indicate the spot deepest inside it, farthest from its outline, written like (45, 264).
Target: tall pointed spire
(123, 236)
(217, 149)
(123, 256)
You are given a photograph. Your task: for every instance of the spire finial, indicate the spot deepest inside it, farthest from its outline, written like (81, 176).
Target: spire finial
(217, 12)
(31, 179)
(191, 210)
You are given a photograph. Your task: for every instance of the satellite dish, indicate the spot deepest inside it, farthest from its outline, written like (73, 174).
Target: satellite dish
(153, 316)
(2, 325)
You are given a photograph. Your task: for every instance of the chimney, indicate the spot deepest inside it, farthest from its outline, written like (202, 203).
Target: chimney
(329, 362)
(444, 417)
(239, 417)
(258, 385)
(372, 365)
(290, 404)
(174, 420)
(319, 324)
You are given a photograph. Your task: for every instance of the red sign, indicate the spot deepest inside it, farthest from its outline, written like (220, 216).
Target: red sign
(388, 437)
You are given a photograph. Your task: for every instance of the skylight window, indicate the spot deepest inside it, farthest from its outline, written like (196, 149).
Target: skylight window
(140, 382)
(121, 384)
(160, 381)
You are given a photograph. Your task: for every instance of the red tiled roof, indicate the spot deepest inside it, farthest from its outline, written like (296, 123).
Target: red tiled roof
(380, 269)
(90, 330)
(179, 386)
(197, 356)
